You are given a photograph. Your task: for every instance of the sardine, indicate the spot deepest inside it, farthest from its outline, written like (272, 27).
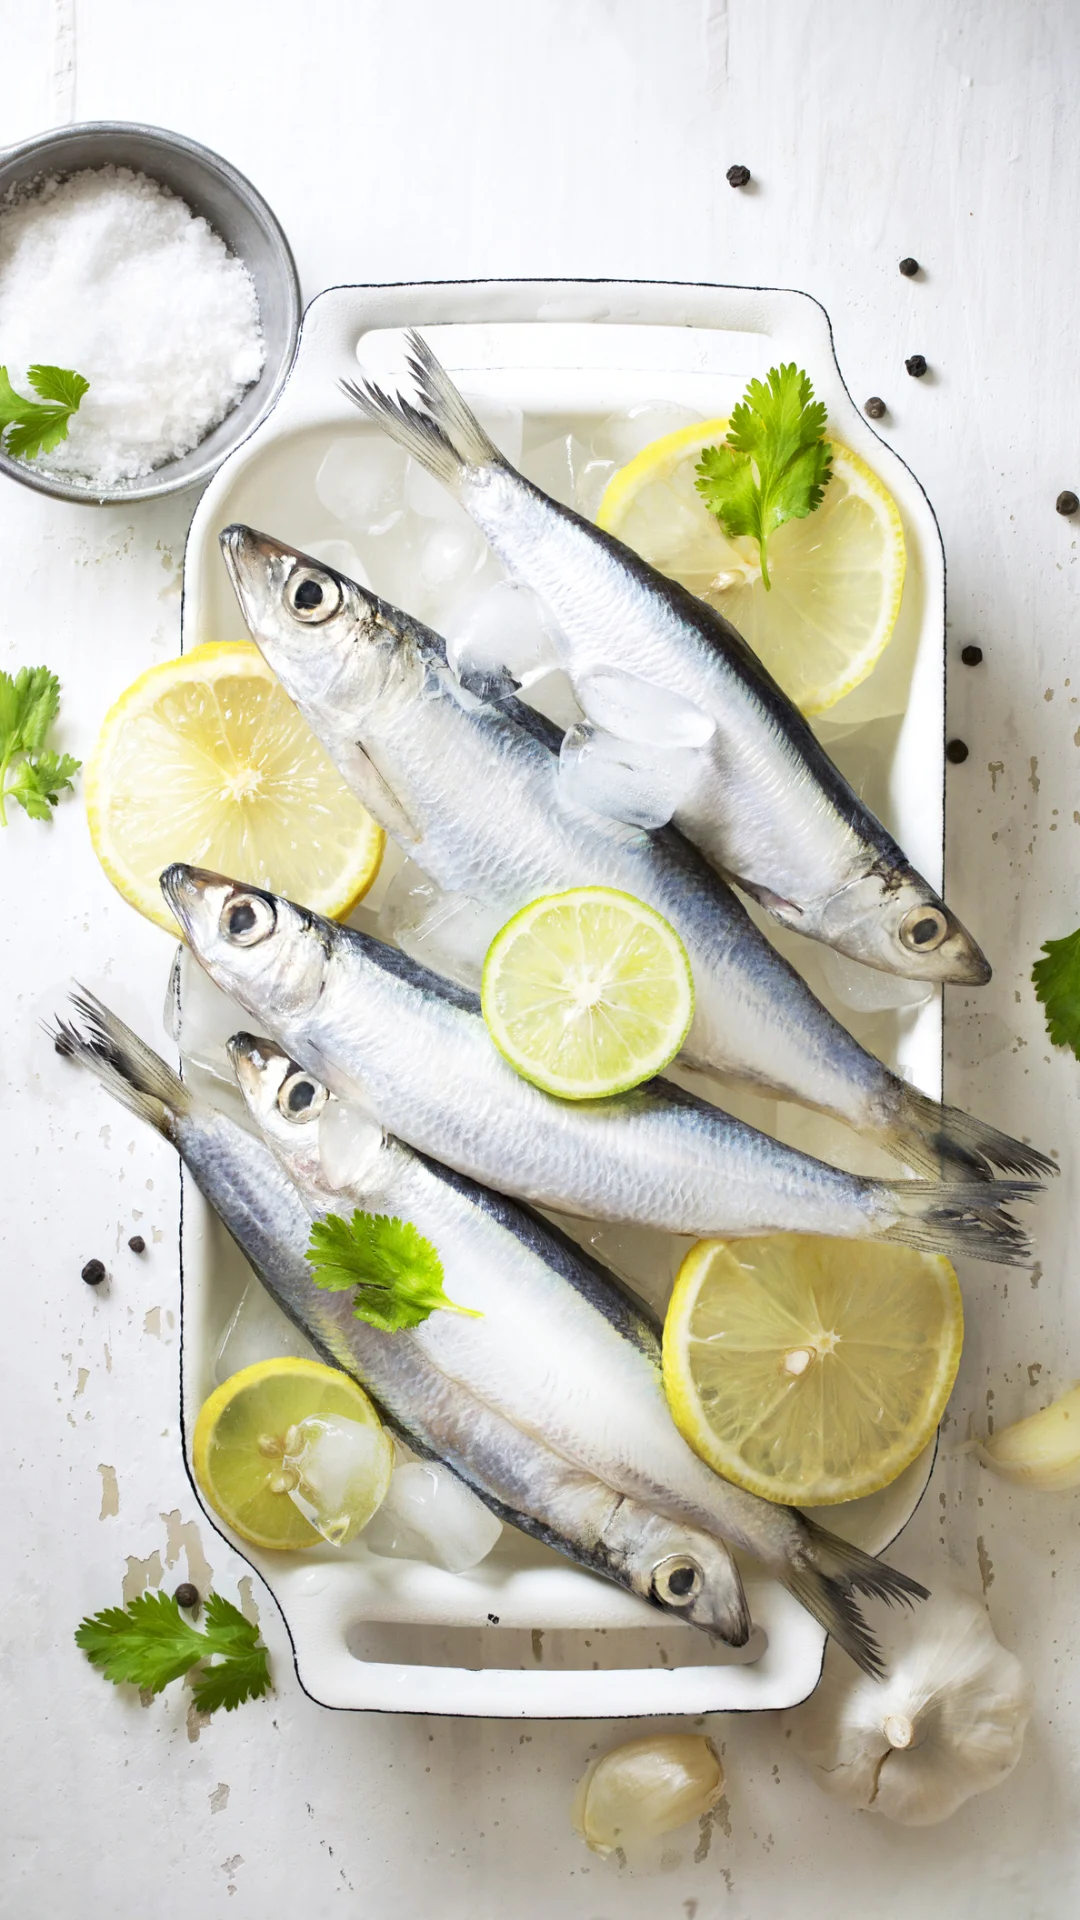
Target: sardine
(471, 790)
(412, 1048)
(768, 808)
(561, 1348)
(529, 1472)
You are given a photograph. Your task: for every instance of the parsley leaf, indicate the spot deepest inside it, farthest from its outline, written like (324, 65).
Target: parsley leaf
(149, 1643)
(30, 773)
(1057, 985)
(775, 463)
(396, 1272)
(38, 426)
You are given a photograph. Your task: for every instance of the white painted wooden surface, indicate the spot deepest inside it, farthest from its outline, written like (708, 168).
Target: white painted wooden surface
(572, 137)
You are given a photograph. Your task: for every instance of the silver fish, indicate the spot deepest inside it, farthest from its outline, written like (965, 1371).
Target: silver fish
(769, 808)
(471, 790)
(534, 1474)
(560, 1350)
(412, 1048)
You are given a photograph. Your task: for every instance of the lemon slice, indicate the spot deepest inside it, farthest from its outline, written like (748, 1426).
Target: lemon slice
(256, 1431)
(837, 576)
(810, 1370)
(587, 993)
(206, 759)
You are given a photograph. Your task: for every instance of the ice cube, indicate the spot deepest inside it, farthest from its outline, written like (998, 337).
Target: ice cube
(452, 552)
(392, 560)
(623, 779)
(428, 1514)
(622, 704)
(361, 481)
(350, 1142)
(554, 467)
(335, 1462)
(864, 990)
(590, 485)
(200, 1018)
(623, 435)
(258, 1330)
(341, 555)
(428, 497)
(501, 626)
(449, 932)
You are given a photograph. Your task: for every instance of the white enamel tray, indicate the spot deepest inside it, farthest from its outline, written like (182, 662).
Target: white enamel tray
(526, 1634)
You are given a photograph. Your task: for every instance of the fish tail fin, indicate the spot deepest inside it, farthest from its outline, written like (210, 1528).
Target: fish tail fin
(961, 1217)
(443, 433)
(126, 1067)
(943, 1141)
(828, 1574)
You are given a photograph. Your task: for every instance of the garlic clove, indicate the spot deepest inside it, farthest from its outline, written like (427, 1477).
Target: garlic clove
(948, 1722)
(645, 1788)
(1042, 1451)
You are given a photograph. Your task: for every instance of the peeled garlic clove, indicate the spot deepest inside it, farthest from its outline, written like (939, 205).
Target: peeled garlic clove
(646, 1788)
(1042, 1451)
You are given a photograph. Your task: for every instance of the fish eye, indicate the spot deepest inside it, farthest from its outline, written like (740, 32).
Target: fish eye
(677, 1581)
(246, 919)
(300, 1097)
(312, 595)
(923, 929)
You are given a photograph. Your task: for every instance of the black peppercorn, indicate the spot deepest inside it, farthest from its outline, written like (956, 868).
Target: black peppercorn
(738, 176)
(186, 1595)
(909, 267)
(94, 1273)
(875, 407)
(1067, 503)
(956, 751)
(916, 366)
(137, 1243)
(971, 656)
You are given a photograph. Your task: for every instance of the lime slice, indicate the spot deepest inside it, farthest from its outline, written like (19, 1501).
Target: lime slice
(252, 1440)
(837, 575)
(810, 1370)
(587, 993)
(206, 759)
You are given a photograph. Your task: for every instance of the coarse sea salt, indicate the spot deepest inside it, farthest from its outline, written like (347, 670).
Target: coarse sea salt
(109, 274)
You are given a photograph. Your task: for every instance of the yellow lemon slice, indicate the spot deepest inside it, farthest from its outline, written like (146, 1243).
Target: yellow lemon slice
(810, 1370)
(206, 759)
(257, 1432)
(588, 992)
(837, 576)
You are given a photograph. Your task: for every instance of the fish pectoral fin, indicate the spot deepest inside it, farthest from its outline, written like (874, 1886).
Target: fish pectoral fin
(772, 902)
(373, 791)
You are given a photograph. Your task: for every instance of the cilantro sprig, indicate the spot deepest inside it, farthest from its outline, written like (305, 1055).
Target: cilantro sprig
(149, 1644)
(30, 772)
(397, 1274)
(774, 464)
(1057, 986)
(38, 426)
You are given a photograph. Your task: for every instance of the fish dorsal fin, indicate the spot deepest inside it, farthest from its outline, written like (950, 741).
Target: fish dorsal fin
(375, 793)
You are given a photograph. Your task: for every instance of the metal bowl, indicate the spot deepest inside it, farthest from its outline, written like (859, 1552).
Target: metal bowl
(241, 216)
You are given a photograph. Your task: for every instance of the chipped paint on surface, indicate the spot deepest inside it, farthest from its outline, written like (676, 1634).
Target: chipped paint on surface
(183, 1536)
(219, 1799)
(142, 1574)
(110, 1492)
(986, 1565)
(152, 1322)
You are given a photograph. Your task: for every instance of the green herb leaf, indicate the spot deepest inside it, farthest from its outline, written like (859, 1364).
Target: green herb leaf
(148, 1643)
(397, 1274)
(775, 462)
(1057, 985)
(30, 772)
(38, 426)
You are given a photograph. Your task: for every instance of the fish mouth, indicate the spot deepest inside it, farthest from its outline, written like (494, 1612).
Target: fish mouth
(252, 1051)
(249, 557)
(184, 888)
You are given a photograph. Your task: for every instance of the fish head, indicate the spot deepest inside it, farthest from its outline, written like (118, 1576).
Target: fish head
(266, 952)
(334, 646)
(701, 1585)
(284, 1100)
(896, 922)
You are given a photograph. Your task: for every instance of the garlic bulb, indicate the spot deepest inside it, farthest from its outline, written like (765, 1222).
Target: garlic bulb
(645, 1788)
(1042, 1451)
(948, 1721)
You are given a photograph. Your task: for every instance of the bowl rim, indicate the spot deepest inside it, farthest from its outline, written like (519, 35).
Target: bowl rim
(157, 484)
